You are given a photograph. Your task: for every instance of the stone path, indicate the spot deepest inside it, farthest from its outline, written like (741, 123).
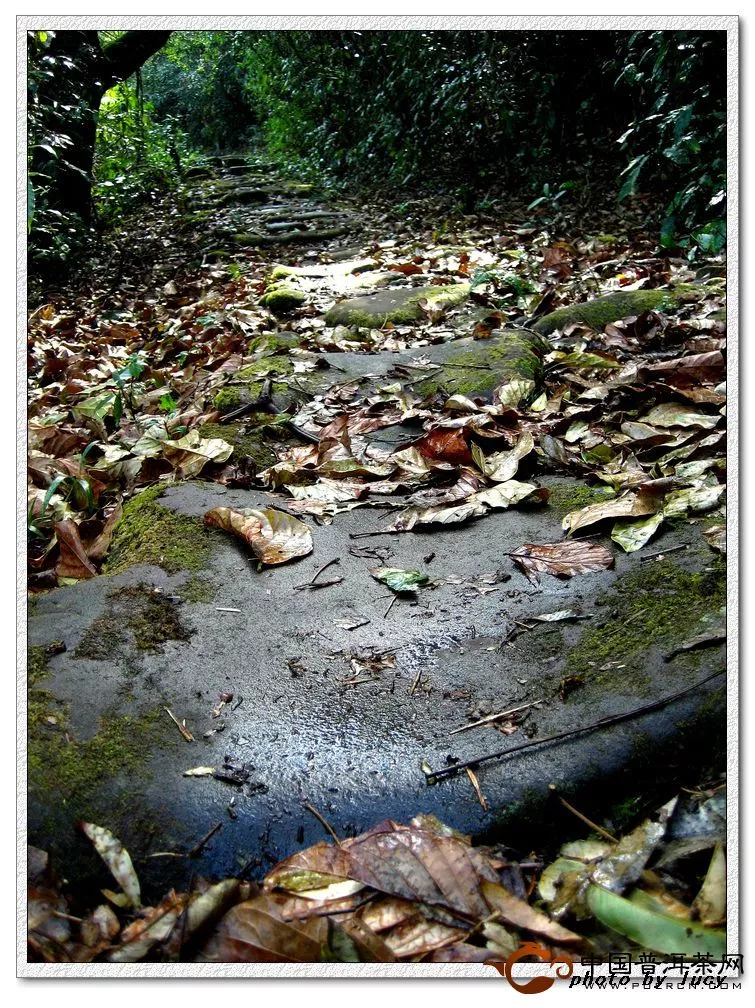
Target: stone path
(337, 697)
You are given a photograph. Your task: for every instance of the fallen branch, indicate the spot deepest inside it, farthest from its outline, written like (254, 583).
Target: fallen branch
(436, 775)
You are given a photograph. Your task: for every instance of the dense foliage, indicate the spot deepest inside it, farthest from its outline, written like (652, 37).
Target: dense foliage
(546, 115)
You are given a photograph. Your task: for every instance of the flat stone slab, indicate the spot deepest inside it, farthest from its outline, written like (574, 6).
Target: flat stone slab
(401, 305)
(343, 719)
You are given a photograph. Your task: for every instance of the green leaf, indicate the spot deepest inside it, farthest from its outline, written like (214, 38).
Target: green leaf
(633, 535)
(400, 581)
(654, 931)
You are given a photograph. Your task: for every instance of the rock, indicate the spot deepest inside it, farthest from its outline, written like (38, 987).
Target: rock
(116, 758)
(253, 238)
(476, 368)
(600, 311)
(281, 299)
(401, 305)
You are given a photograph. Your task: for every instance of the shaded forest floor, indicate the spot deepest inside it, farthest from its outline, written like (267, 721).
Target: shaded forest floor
(332, 378)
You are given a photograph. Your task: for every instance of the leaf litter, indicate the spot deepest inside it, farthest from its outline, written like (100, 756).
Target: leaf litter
(124, 378)
(412, 893)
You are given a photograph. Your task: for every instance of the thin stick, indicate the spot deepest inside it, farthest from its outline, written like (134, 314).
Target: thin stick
(197, 848)
(310, 584)
(363, 535)
(323, 821)
(478, 792)
(495, 717)
(613, 719)
(393, 602)
(660, 553)
(182, 728)
(588, 822)
(415, 684)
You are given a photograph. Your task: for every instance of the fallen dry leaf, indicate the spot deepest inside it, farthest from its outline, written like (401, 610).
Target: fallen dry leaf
(273, 536)
(562, 560)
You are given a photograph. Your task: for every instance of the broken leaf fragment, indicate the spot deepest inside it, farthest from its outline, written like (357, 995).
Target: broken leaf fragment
(402, 582)
(632, 535)
(118, 860)
(562, 560)
(273, 536)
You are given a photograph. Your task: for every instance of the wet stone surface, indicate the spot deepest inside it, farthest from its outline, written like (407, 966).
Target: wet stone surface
(342, 718)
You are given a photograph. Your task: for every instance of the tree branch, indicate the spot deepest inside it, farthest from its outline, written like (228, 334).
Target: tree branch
(132, 50)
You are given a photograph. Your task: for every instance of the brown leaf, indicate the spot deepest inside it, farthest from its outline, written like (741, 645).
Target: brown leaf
(73, 562)
(273, 536)
(444, 445)
(255, 932)
(407, 862)
(562, 560)
(521, 915)
(683, 372)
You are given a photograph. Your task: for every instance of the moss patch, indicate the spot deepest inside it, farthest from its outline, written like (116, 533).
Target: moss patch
(251, 444)
(397, 306)
(566, 497)
(281, 300)
(71, 772)
(600, 311)
(276, 342)
(151, 534)
(136, 612)
(657, 605)
(486, 366)
(198, 589)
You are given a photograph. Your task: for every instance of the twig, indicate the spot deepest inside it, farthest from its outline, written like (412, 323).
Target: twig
(588, 822)
(196, 850)
(393, 602)
(310, 584)
(495, 717)
(181, 727)
(363, 535)
(415, 684)
(603, 722)
(660, 553)
(478, 792)
(322, 820)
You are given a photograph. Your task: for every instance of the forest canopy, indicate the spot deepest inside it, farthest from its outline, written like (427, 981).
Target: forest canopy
(551, 115)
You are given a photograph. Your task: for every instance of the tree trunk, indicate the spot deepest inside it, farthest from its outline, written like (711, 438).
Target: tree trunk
(83, 72)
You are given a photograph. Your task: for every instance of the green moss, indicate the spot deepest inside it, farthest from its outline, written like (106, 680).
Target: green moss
(359, 312)
(281, 300)
(598, 312)
(566, 497)
(228, 398)
(657, 604)
(151, 534)
(273, 364)
(281, 272)
(250, 441)
(490, 364)
(275, 341)
(198, 589)
(137, 612)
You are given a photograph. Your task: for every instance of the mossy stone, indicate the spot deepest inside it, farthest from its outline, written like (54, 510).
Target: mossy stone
(250, 441)
(281, 299)
(276, 342)
(396, 305)
(151, 534)
(599, 312)
(657, 604)
(486, 365)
